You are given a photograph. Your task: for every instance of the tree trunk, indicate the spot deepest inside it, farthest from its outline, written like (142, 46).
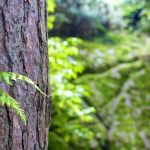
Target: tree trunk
(23, 49)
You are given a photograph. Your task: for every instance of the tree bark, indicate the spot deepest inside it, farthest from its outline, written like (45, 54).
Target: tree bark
(23, 49)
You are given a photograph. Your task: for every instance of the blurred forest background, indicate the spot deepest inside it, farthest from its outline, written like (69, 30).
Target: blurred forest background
(99, 53)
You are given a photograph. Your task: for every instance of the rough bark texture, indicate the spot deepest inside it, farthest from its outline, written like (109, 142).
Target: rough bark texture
(23, 49)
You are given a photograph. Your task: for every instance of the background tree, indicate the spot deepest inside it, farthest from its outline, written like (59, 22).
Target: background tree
(23, 49)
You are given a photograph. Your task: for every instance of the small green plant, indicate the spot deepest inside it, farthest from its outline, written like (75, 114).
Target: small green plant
(6, 99)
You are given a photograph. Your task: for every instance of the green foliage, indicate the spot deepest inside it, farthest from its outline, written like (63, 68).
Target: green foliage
(5, 99)
(61, 55)
(55, 142)
(68, 107)
(50, 9)
(136, 14)
(119, 89)
(100, 87)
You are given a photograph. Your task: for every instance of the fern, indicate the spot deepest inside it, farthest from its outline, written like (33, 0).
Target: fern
(8, 77)
(5, 99)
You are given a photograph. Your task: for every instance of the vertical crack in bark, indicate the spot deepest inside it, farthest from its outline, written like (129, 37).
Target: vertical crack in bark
(40, 41)
(24, 40)
(10, 129)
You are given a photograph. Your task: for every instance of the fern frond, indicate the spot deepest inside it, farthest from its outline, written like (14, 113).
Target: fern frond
(8, 77)
(7, 100)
